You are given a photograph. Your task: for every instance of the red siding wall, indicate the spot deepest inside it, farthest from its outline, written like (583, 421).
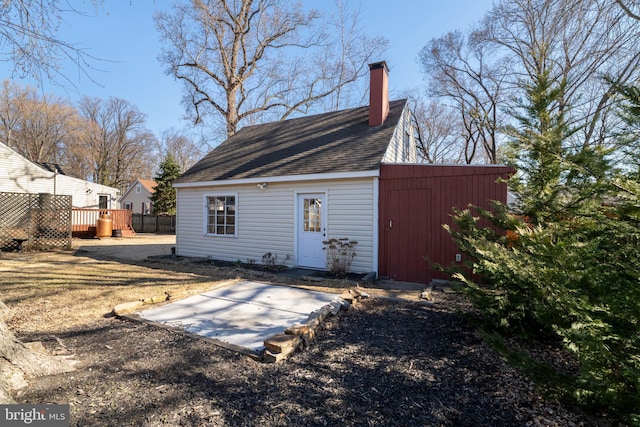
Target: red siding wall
(415, 200)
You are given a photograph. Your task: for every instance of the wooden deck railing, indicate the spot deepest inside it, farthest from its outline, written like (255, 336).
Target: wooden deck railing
(83, 221)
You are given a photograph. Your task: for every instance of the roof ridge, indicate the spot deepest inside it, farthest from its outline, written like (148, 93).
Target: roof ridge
(315, 115)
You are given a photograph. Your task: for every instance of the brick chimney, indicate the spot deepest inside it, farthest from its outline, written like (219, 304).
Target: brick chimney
(378, 93)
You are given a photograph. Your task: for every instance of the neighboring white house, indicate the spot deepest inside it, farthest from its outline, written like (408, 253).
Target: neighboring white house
(19, 175)
(137, 198)
(285, 187)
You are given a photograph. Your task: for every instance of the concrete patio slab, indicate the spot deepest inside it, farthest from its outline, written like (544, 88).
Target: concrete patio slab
(244, 314)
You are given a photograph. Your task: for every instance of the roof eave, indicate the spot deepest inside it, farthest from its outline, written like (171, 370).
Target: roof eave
(287, 178)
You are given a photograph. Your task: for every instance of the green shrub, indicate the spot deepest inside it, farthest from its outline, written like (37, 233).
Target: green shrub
(571, 271)
(577, 279)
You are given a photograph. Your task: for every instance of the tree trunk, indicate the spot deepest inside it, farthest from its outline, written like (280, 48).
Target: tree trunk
(18, 362)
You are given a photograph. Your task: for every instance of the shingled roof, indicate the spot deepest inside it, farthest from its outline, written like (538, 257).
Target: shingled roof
(334, 142)
(149, 184)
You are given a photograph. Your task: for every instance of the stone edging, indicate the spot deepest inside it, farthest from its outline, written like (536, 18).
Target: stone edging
(299, 336)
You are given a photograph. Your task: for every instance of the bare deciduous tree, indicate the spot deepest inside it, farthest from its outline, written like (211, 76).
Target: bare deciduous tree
(183, 148)
(119, 146)
(240, 59)
(37, 127)
(101, 141)
(9, 113)
(44, 127)
(579, 42)
(461, 74)
(29, 41)
(628, 11)
(439, 132)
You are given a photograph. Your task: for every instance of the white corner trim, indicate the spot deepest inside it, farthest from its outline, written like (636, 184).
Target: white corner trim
(376, 225)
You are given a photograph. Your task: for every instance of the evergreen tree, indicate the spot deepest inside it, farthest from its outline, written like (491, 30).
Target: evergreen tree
(629, 139)
(553, 179)
(164, 197)
(570, 268)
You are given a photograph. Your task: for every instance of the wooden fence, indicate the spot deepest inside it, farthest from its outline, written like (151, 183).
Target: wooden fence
(84, 221)
(152, 223)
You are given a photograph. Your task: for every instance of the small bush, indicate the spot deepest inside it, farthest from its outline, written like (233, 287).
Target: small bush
(340, 254)
(575, 279)
(270, 260)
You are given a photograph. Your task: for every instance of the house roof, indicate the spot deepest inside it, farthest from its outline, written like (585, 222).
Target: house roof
(51, 167)
(335, 142)
(148, 184)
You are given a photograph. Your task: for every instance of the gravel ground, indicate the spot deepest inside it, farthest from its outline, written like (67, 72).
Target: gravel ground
(383, 363)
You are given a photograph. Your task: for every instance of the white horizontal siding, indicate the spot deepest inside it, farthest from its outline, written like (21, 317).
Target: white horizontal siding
(86, 194)
(136, 200)
(351, 216)
(396, 151)
(265, 224)
(19, 175)
(266, 220)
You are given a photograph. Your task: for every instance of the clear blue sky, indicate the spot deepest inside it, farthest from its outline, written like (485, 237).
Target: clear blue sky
(123, 33)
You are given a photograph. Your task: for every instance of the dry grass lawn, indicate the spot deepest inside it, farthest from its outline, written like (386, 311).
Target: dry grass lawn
(53, 292)
(57, 291)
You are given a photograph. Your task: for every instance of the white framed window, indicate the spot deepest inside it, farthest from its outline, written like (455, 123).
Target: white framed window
(138, 188)
(221, 214)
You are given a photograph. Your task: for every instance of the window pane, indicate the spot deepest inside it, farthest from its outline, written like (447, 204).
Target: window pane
(312, 215)
(221, 215)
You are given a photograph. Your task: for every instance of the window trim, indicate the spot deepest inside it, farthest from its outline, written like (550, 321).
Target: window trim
(205, 212)
(406, 146)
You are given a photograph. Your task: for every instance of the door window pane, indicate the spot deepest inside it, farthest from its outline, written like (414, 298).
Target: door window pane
(312, 215)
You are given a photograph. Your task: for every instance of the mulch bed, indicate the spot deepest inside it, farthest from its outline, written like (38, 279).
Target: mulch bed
(275, 269)
(383, 363)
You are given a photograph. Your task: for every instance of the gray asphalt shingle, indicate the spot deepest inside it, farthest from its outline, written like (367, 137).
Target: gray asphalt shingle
(340, 141)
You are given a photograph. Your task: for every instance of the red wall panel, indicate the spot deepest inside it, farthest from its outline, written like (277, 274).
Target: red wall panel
(415, 201)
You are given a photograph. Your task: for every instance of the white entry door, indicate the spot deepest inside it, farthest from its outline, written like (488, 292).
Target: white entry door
(312, 228)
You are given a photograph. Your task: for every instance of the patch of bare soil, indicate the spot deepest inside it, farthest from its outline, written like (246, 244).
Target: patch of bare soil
(383, 363)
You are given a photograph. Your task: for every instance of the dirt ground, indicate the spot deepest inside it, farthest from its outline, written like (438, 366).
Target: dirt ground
(385, 362)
